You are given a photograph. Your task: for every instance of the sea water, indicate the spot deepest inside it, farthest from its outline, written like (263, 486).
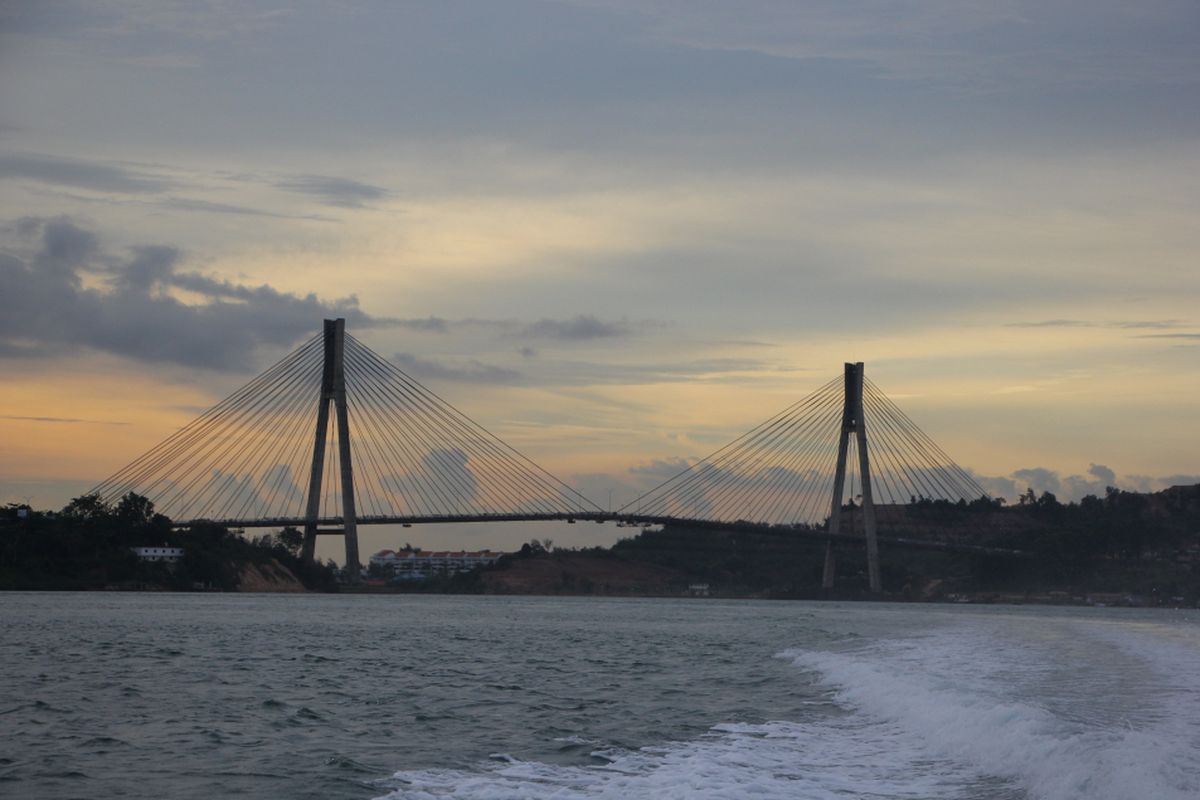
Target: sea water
(326, 696)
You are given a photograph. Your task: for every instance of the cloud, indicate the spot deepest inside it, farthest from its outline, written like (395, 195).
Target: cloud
(1178, 480)
(1072, 488)
(442, 482)
(1069, 488)
(1102, 473)
(995, 45)
(209, 207)
(177, 203)
(1039, 479)
(471, 371)
(1136, 324)
(340, 192)
(425, 324)
(96, 176)
(64, 248)
(659, 470)
(552, 372)
(578, 328)
(1052, 323)
(996, 486)
(128, 304)
(66, 420)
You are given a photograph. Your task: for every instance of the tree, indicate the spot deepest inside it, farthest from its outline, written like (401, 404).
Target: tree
(87, 507)
(134, 509)
(291, 539)
(1048, 501)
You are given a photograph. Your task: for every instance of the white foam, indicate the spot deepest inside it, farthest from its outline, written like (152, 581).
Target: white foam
(832, 759)
(980, 708)
(966, 695)
(574, 740)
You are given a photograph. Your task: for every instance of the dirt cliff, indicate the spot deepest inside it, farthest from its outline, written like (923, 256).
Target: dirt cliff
(269, 576)
(565, 573)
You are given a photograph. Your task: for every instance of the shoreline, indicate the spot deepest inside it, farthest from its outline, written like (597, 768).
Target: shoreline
(981, 599)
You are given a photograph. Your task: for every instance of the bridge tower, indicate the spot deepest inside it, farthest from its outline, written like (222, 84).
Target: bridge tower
(853, 423)
(333, 390)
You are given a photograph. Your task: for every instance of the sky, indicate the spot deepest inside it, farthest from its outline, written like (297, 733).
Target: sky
(617, 234)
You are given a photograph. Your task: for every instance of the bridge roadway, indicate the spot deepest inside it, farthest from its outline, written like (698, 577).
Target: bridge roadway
(634, 520)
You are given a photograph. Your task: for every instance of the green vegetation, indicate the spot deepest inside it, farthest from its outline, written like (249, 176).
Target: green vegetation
(88, 545)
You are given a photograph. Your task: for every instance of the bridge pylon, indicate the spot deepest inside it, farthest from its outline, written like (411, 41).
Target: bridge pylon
(853, 423)
(333, 390)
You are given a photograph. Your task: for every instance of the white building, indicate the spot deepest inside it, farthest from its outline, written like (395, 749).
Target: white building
(384, 558)
(415, 565)
(170, 554)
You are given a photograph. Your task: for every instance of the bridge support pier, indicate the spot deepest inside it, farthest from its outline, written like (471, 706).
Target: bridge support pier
(333, 390)
(853, 423)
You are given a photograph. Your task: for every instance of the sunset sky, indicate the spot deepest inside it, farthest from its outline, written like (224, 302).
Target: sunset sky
(616, 233)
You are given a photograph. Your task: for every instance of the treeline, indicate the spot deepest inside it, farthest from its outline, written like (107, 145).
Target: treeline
(1147, 544)
(89, 545)
(742, 562)
(1122, 526)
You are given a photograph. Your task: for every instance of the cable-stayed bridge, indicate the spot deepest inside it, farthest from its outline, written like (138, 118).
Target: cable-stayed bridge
(333, 436)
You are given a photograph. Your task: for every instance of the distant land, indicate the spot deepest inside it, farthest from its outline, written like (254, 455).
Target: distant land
(1125, 548)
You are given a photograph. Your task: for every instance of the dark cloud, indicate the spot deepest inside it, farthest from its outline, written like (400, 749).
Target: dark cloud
(581, 327)
(64, 248)
(80, 174)
(1188, 336)
(471, 371)
(340, 192)
(127, 306)
(149, 266)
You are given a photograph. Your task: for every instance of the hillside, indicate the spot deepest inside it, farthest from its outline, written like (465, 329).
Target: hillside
(90, 545)
(1126, 548)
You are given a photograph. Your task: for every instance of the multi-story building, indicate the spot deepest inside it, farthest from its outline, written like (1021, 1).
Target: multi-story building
(418, 564)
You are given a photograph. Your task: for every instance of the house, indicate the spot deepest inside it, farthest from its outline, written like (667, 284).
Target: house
(168, 554)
